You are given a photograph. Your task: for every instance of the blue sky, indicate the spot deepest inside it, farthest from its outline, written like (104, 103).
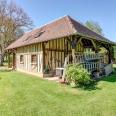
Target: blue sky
(102, 11)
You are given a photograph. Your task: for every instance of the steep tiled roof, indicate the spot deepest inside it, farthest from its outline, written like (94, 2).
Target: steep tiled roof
(61, 27)
(82, 30)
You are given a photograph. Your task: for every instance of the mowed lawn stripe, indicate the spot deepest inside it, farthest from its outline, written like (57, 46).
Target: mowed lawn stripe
(26, 95)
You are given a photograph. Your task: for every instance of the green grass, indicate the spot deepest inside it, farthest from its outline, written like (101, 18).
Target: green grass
(26, 95)
(5, 63)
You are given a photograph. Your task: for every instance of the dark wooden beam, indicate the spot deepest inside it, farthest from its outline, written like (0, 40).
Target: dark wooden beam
(13, 60)
(87, 46)
(43, 48)
(105, 46)
(96, 45)
(79, 40)
(108, 47)
(56, 50)
(75, 41)
(110, 53)
(8, 58)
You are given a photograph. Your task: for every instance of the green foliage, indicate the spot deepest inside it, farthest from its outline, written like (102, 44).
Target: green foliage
(103, 50)
(114, 54)
(77, 74)
(94, 26)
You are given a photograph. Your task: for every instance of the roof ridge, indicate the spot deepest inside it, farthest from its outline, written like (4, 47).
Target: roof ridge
(91, 30)
(94, 32)
(71, 24)
(87, 28)
(47, 23)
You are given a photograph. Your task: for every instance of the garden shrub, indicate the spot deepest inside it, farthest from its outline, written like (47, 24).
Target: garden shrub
(77, 74)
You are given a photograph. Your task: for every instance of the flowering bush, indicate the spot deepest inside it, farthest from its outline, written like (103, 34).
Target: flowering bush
(77, 74)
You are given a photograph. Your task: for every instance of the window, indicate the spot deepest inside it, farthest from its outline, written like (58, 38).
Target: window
(34, 59)
(39, 34)
(26, 38)
(21, 58)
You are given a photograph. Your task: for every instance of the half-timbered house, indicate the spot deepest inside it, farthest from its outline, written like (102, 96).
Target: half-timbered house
(57, 43)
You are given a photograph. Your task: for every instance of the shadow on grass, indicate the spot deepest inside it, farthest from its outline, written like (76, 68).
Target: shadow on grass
(6, 70)
(115, 69)
(92, 86)
(110, 78)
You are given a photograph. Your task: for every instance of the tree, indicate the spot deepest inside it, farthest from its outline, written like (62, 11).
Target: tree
(114, 54)
(94, 26)
(12, 19)
(18, 32)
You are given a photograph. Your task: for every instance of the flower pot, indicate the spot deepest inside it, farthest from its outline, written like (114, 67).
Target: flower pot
(96, 74)
(61, 81)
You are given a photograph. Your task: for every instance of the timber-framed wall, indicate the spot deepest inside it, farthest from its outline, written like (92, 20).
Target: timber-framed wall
(30, 59)
(56, 50)
(51, 53)
(35, 57)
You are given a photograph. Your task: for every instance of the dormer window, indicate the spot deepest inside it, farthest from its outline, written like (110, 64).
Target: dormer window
(26, 38)
(39, 34)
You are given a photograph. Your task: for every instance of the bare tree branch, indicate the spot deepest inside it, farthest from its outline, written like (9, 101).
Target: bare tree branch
(12, 17)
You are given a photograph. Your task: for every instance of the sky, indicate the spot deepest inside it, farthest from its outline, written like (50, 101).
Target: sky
(101, 11)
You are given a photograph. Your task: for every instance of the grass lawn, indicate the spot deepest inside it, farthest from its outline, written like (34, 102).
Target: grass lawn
(26, 95)
(5, 63)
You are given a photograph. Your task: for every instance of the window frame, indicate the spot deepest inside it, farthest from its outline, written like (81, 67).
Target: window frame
(34, 60)
(22, 59)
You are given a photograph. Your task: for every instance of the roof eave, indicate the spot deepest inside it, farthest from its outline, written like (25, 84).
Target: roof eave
(95, 38)
(43, 41)
(76, 33)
